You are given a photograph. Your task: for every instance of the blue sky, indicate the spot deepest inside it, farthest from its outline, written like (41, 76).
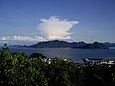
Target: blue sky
(21, 19)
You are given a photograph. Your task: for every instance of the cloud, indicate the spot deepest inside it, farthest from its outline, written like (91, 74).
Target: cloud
(55, 28)
(22, 38)
(51, 29)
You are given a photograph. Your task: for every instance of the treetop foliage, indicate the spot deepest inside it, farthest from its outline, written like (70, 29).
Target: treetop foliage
(18, 69)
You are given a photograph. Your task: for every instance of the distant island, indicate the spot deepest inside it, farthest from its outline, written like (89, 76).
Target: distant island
(64, 44)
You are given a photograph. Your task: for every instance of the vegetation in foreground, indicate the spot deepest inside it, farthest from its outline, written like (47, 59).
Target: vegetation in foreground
(17, 69)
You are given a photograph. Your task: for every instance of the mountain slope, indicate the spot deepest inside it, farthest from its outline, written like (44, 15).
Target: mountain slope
(64, 44)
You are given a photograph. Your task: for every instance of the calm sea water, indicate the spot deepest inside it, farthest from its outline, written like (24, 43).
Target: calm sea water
(74, 54)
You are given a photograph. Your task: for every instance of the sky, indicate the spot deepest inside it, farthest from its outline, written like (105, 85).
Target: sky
(31, 21)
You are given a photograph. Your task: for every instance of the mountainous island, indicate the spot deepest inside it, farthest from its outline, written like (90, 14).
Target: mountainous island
(64, 44)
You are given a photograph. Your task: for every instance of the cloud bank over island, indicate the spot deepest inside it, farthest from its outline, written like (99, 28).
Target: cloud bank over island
(22, 38)
(53, 28)
(56, 28)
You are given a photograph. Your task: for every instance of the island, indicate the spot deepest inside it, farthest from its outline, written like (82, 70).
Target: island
(64, 44)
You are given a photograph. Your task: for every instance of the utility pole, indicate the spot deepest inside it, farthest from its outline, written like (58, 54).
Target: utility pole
(92, 39)
(92, 42)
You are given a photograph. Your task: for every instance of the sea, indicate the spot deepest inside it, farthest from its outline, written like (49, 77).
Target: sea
(73, 54)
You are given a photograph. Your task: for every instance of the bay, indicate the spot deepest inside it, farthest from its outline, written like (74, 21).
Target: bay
(75, 55)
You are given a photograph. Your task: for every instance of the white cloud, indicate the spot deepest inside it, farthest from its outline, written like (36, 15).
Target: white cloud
(22, 38)
(52, 28)
(55, 28)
